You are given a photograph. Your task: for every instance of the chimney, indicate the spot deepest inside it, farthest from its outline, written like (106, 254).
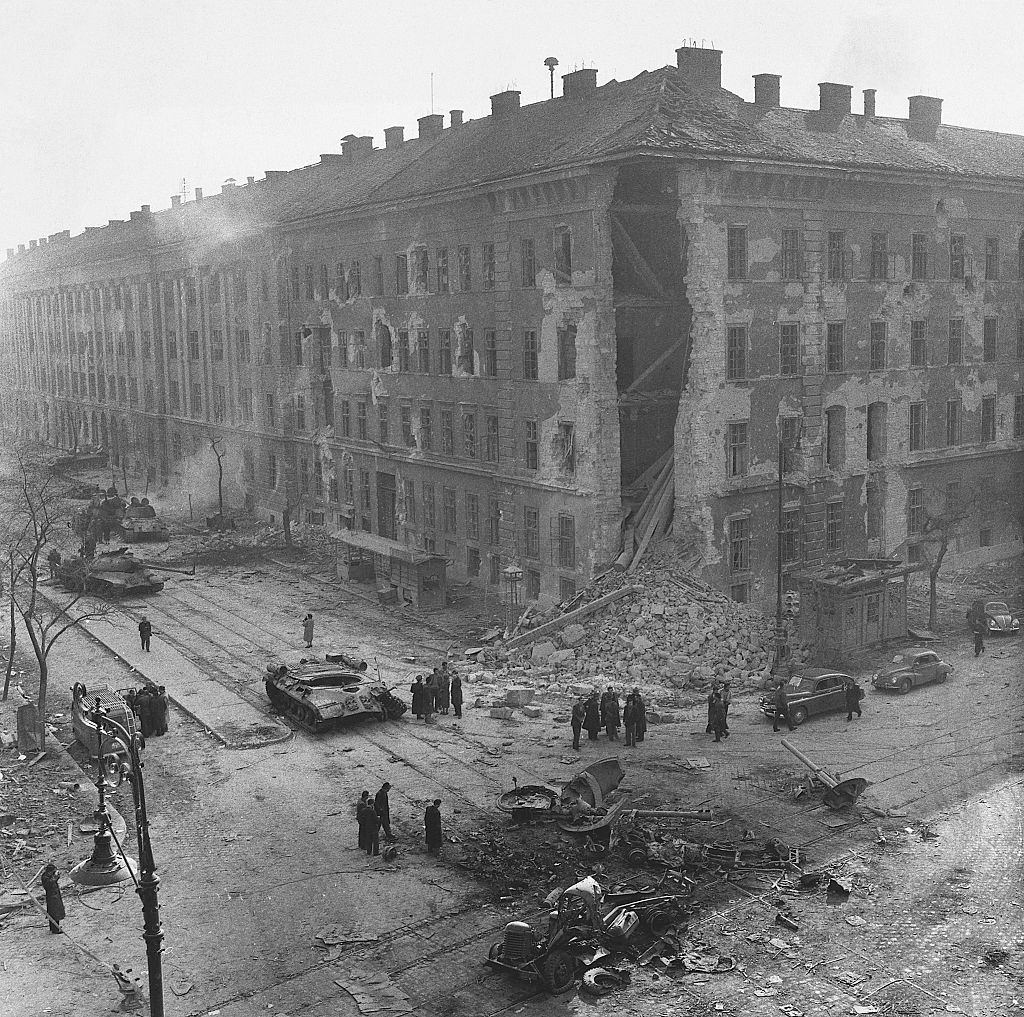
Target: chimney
(835, 100)
(504, 104)
(10, 252)
(32, 244)
(175, 200)
(145, 210)
(925, 117)
(250, 180)
(274, 175)
(228, 185)
(199, 194)
(767, 89)
(579, 84)
(431, 126)
(21, 248)
(700, 68)
(135, 216)
(456, 115)
(356, 148)
(42, 241)
(869, 103)
(393, 136)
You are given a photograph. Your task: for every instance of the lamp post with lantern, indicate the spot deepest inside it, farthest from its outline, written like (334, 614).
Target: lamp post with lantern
(513, 577)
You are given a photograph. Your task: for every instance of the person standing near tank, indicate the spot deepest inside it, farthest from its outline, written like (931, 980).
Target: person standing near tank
(456, 689)
(307, 630)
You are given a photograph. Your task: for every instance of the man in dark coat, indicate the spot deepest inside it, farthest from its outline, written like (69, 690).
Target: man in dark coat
(54, 900)
(417, 691)
(611, 716)
(781, 707)
(711, 699)
(718, 717)
(444, 691)
(382, 806)
(371, 828)
(430, 696)
(979, 642)
(145, 632)
(456, 691)
(853, 697)
(159, 709)
(144, 708)
(361, 807)
(579, 712)
(592, 717)
(432, 826)
(641, 715)
(629, 717)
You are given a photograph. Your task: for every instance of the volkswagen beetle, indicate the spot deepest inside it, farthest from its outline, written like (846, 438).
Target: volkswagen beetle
(910, 668)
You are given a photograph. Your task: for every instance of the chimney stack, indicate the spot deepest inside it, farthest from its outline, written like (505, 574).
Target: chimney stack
(199, 194)
(456, 115)
(767, 89)
(699, 68)
(579, 84)
(10, 252)
(250, 180)
(925, 117)
(431, 126)
(869, 103)
(228, 185)
(356, 148)
(175, 200)
(146, 210)
(504, 104)
(835, 100)
(393, 136)
(32, 244)
(21, 248)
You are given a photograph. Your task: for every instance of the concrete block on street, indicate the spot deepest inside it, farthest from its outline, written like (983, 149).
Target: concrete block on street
(501, 712)
(518, 697)
(533, 711)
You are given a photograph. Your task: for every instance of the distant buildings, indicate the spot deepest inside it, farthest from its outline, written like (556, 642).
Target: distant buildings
(475, 340)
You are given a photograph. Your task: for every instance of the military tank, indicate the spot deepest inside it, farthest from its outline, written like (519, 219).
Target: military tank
(139, 523)
(320, 696)
(110, 574)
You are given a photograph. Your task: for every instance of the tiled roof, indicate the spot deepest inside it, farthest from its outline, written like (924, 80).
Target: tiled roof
(653, 112)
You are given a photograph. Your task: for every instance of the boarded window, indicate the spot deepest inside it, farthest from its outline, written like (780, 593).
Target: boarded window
(957, 256)
(991, 339)
(956, 341)
(835, 351)
(876, 437)
(988, 418)
(790, 254)
(877, 349)
(531, 356)
(835, 536)
(528, 263)
(919, 256)
(562, 248)
(567, 352)
(880, 256)
(836, 266)
(954, 414)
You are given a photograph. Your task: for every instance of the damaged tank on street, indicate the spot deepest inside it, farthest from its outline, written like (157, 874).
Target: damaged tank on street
(110, 574)
(320, 696)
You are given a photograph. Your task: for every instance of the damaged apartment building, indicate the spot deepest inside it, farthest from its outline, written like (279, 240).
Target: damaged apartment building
(474, 341)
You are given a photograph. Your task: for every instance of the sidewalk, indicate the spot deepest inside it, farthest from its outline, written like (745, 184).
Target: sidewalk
(233, 721)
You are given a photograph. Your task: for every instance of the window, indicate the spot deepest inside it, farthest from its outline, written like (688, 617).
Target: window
(488, 266)
(423, 351)
(403, 351)
(876, 433)
(990, 342)
(429, 507)
(956, 341)
(465, 269)
(243, 346)
(466, 362)
(355, 280)
(197, 399)
(789, 438)
(193, 345)
(133, 392)
(271, 470)
(409, 502)
(271, 416)
(324, 351)
(490, 357)
(1018, 416)
(566, 447)
(916, 513)
(445, 338)
(359, 341)
(245, 404)
(835, 351)
(384, 344)
(567, 352)
(736, 449)
(528, 263)
(736, 252)
(835, 538)
(491, 446)
(790, 536)
(789, 348)
(450, 520)
(378, 275)
(405, 412)
(566, 589)
(957, 259)
(190, 291)
(835, 437)
(426, 429)
(362, 427)
(531, 356)
(566, 540)
(736, 353)
(739, 545)
(562, 245)
(472, 516)
(442, 270)
(992, 258)
(988, 418)
(340, 282)
(917, 422)
(469, 449)
(325, 284)
(310, 283)
(447, 432)
(531, 583)
(303, 474)
(836, 254)
(472, 562)
(877, 351)
(383, 429)
(790, 254)
(345, 418)
(918, 344)
(297, 348)
(531, 532)
(217, 344)
(879, 255)
(401, 273)
(421, 269)
(874, 512)
(300, 413)
(494, 562)
(985, 536)
(954, 413)
(532, 445)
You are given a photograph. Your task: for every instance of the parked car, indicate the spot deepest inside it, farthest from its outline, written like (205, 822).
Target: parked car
(992, 617)
(812, 692)
(910, 668)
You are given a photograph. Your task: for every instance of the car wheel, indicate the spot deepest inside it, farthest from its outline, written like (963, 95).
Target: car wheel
(798, 715)
(559, 972)
(904, 687)
(495, 951)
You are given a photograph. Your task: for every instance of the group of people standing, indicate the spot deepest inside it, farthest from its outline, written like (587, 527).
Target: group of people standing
(719, 701)
(374, 815)
(602, 710)
(150, 707)
(440, 693)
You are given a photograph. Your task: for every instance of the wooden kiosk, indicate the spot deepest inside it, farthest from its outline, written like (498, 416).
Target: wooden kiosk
(410, 575)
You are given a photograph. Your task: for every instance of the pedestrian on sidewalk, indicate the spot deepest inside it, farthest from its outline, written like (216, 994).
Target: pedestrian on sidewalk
(382, 806)
(432, 827)
(145, 632)
(611, 716)
(307, 630)
(781, 707)
(718, 724)
(579, 713)
(641, 715)
(361, 806)
(160, 711)
(418, 693)
(456, 690)
(54, 900)
(629, 719)
(854, 694)
(979, 642)
(592, 718)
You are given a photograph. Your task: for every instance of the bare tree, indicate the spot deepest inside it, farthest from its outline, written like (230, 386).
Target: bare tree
(939, 521)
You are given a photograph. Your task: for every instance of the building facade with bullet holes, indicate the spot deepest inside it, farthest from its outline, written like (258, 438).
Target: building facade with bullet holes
(477, 341)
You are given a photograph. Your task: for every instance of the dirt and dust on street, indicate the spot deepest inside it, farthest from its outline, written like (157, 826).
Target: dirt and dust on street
(907, 902)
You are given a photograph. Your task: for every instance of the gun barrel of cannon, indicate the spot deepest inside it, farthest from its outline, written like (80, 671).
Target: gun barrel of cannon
(818, 771)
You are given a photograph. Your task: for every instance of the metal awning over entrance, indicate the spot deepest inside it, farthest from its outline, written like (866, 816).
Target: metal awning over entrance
(383, 546)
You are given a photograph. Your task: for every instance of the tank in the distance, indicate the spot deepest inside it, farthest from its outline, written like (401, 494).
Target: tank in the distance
(109, 574)
(320, 696)
(140, 523)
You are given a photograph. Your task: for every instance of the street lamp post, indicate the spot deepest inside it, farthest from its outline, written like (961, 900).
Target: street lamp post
(513, 576)
(102, 868)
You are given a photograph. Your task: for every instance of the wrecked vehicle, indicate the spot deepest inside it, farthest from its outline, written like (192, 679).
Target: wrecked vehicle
(594, 783)
(992, 617)
(139, 523)
(813, 692)
(910, 668)
(83, 717)
(110, 574)
(320, 696)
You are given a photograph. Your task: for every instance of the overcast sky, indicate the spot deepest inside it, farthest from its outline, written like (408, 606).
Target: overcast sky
(105, 106)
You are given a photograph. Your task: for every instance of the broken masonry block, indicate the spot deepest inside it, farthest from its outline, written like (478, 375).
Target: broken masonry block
(501, 712)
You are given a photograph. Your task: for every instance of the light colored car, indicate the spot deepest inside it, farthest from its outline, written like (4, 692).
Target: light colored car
(911, 668)
(993, 617)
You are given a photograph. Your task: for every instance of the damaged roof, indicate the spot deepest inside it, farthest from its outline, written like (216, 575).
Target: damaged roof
(655, 112)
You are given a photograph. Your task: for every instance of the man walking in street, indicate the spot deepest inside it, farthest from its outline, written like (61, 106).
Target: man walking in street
(430, 697)
(159, 710)
(418, 694)
(432, 826)
(781, 707)
(629, 718)
(579, 713)
(641, 715)
(307, 630)
(854, 694)
(718, 724)
(371, 829)
(382, 806)
(361, 807)
(611, 716)
(726, 694)
(711, 697)
(145, 632)
(456, 689)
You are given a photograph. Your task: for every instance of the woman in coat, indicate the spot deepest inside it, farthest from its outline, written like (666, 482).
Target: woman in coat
(592, 718)
(54, 900)
(417, 691)
(432, 826)
(718, 724)
(641, 715)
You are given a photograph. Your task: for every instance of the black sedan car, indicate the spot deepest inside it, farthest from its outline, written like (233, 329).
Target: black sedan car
(812, 692)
